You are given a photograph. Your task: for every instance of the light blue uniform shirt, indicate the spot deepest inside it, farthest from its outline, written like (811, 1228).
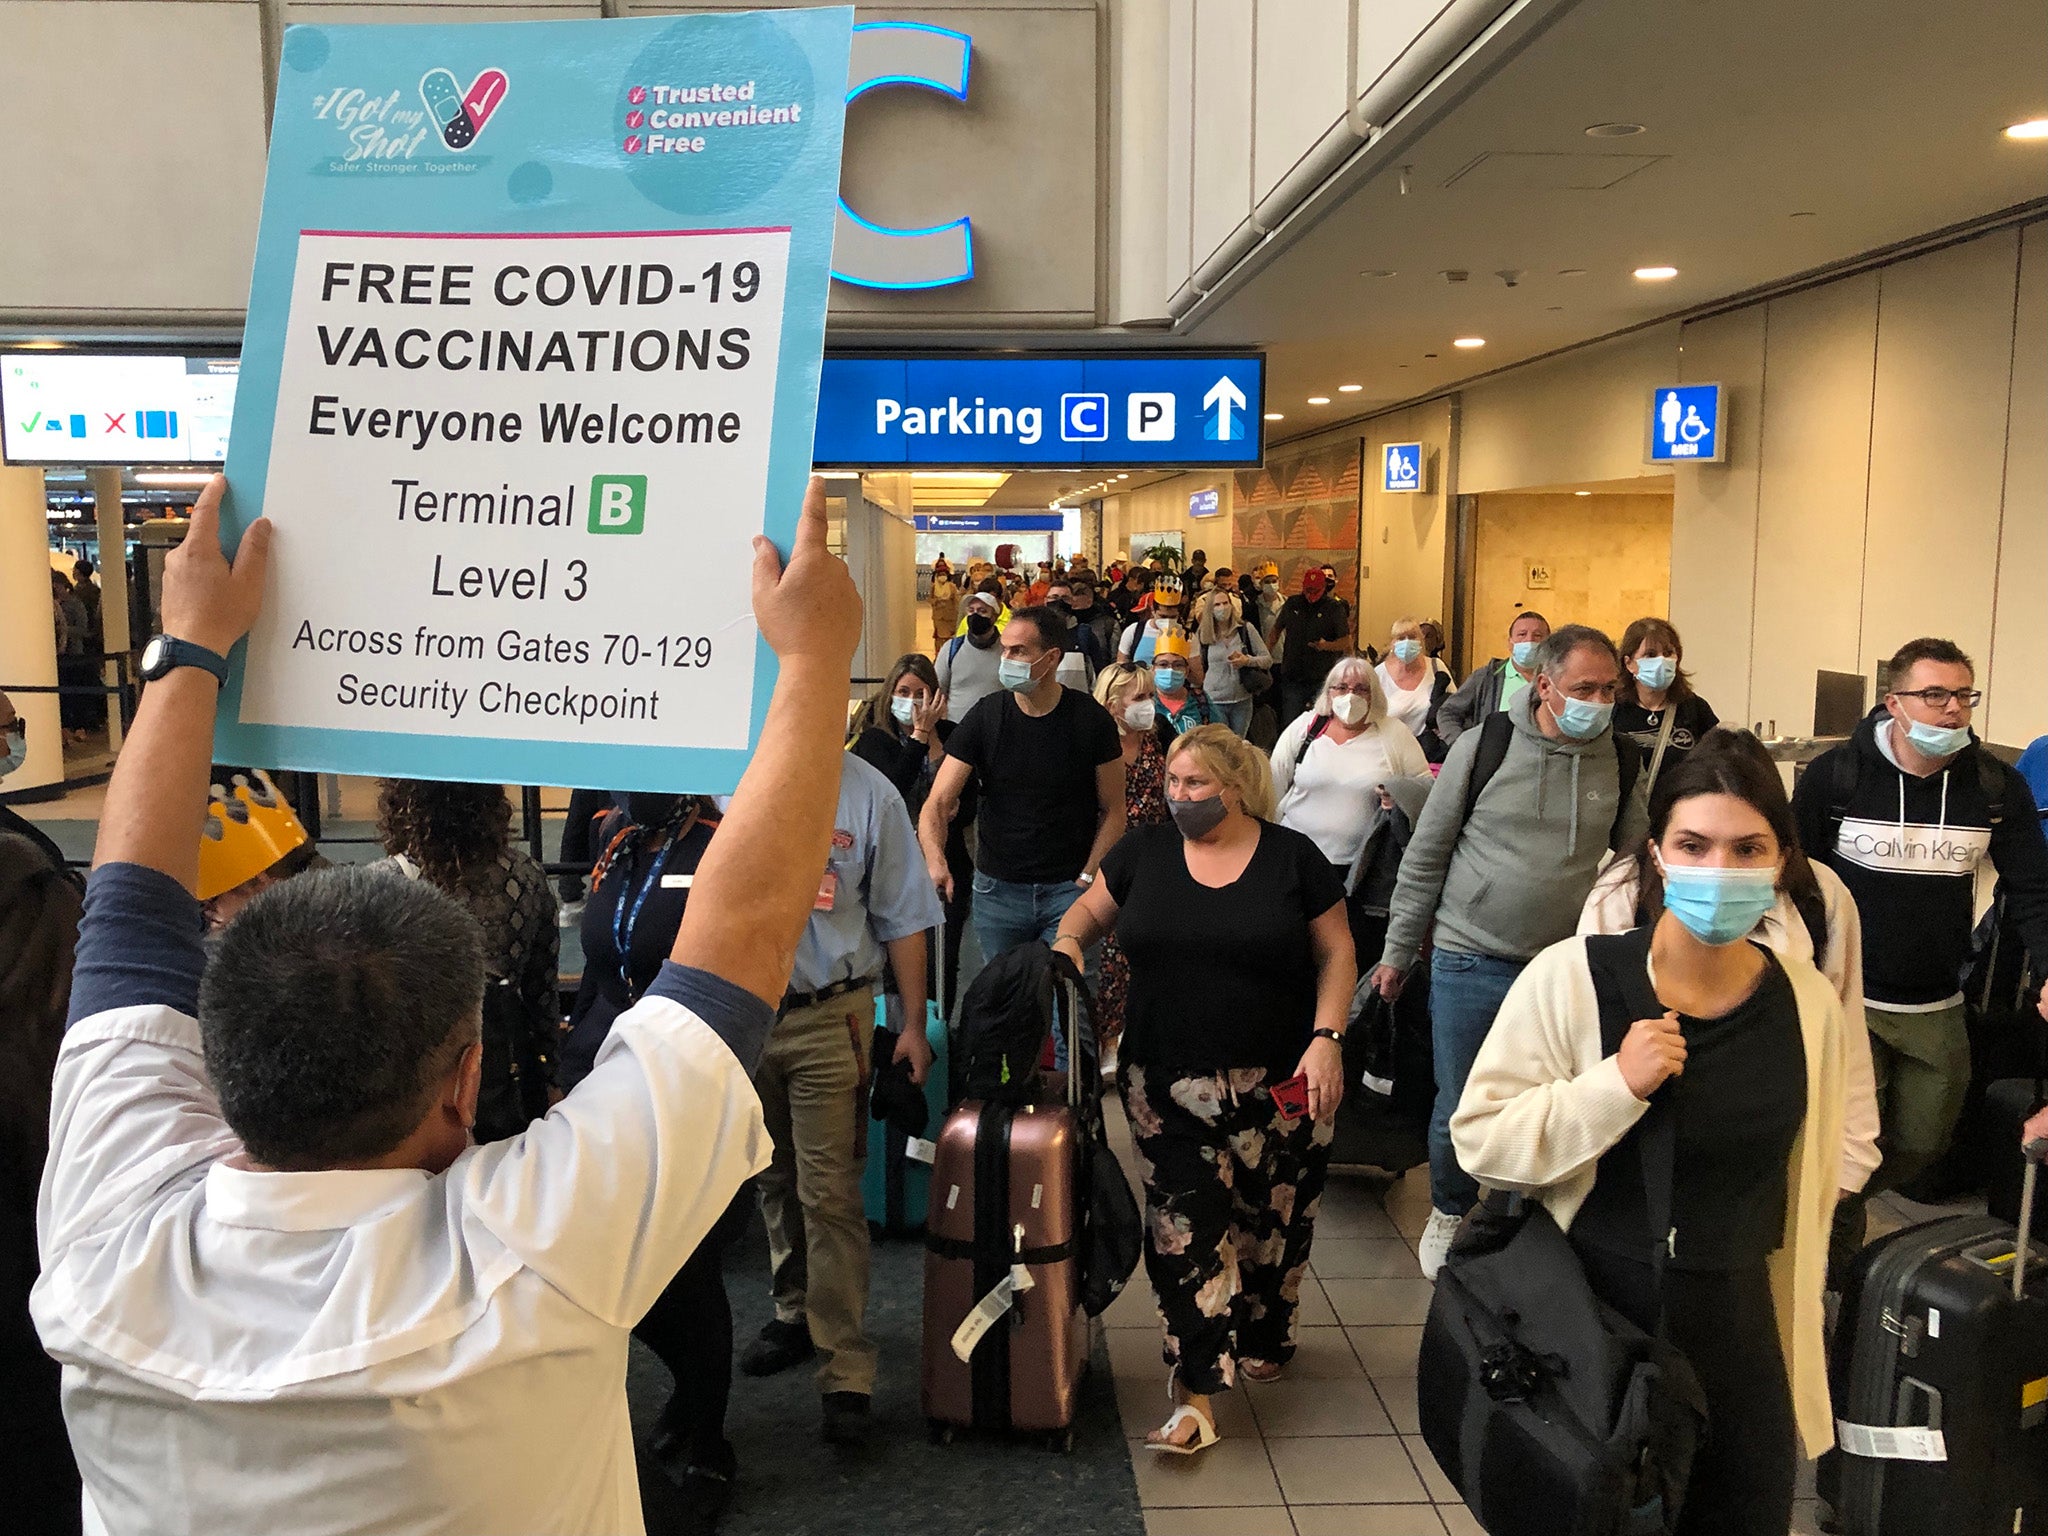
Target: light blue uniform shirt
(882, 891)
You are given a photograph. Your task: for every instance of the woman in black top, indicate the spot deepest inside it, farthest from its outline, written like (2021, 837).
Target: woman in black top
(650, 848)
(39, 910)
(1739, 1087)
(1656, 693)
(903, 731)
(1216, 1023)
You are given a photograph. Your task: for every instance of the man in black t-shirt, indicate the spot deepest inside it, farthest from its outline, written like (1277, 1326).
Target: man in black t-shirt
(1313, 629)
(1051, 771)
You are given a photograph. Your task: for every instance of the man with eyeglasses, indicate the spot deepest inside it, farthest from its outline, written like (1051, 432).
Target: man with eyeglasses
(1905, 812)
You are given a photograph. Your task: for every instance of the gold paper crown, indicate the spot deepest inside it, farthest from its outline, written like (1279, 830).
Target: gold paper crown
(1166, 590)
(249, 826)
(1171, 642)
(1269, 568)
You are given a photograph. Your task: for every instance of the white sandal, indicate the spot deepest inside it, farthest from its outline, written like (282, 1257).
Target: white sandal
(1205, 1432)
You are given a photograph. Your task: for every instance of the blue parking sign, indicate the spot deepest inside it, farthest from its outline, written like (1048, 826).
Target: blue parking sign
(1685, 425)
(1403, 467)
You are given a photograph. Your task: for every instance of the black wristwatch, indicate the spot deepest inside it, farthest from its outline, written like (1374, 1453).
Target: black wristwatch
(1327, 1034)
(165, 655)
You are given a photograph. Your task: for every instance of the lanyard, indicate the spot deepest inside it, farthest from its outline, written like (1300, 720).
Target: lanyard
(626, 915)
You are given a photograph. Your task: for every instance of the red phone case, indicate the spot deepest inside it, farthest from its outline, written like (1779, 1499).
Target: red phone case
(1291, 1097)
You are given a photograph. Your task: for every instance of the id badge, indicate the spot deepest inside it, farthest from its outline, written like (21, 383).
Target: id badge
(828, 892)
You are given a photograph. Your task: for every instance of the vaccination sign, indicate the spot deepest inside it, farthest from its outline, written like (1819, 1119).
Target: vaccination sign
(965, 411)
(532, 355)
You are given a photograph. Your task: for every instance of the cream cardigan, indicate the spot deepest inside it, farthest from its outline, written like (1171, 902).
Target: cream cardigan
(1542, 1105)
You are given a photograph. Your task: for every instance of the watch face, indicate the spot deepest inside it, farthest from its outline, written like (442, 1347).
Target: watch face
(152, 656)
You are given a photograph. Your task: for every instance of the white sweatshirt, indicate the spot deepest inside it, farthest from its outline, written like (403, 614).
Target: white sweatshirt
(1333, 796)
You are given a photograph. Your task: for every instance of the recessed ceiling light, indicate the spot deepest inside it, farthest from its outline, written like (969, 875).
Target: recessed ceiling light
(1656, 274)
(1349, 389)
(1276, 416)
(1582, 493)
(2032, 128)
(1468, 343)
(1614, 130)
(1377, 272)
(1123, 477)
(1318, 399)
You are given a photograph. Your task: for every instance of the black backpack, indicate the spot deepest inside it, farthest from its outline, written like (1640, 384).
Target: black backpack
(1845, 765)
(1006, 1018)
(1498, 732)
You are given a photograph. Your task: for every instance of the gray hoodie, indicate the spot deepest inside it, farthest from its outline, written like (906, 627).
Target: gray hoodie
(1512, 880)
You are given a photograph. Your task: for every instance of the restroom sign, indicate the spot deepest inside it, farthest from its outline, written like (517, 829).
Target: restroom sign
(1402, 467)
(1685, 425)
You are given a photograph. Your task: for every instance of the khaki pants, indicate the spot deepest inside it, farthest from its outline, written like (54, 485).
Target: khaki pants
(813, 1083)
(1922, 1064)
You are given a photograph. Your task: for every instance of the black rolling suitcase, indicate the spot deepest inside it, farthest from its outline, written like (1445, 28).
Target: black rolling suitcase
(1939, 1373)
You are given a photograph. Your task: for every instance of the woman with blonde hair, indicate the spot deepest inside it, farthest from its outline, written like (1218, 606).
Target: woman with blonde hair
(1332, 765)
(1232, 1061)
(1237, 664)
(1125, 690)
(1414, 685)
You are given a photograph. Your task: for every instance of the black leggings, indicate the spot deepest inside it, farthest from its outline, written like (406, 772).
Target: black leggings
(690, 1328)
(1726, 1324)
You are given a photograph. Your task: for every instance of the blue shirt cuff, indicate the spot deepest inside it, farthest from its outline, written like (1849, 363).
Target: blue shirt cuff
(140, 943)
(733, 1013)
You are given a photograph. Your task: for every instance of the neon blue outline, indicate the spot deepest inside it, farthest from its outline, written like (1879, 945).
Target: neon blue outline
(927, 83)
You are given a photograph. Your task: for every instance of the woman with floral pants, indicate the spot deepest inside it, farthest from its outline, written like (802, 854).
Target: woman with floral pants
(1241, 979)
(1231, 1190)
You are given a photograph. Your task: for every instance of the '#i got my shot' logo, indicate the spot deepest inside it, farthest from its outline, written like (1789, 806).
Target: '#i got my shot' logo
(460, 115)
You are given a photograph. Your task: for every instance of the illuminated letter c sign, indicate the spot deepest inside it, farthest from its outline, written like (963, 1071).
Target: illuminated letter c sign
(873, 255)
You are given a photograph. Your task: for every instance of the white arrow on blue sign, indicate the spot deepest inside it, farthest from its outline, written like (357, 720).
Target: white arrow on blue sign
(1223, 398)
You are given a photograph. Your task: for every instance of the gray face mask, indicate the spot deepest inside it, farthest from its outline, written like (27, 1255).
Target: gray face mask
(1198, 818)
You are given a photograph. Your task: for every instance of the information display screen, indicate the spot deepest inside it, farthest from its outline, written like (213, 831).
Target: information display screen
(115, 408)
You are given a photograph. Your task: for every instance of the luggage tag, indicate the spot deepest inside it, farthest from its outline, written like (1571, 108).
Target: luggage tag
(990, 1309)
(1885, 1442)
(919, 1150)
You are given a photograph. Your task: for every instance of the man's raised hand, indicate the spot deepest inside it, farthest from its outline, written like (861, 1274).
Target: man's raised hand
(807, 610)
(205, 600)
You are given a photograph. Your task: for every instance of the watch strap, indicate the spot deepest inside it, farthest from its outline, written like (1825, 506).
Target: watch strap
(175, 653)
(1327, 1034)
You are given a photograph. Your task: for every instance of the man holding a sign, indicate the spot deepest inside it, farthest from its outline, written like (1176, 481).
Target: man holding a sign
(287, 1292)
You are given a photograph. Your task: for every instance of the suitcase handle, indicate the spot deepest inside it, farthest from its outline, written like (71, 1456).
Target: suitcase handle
(1911, 1387)
(2034, 1151)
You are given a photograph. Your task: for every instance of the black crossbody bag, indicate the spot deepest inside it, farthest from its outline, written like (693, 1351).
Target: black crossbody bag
(1552, 1413)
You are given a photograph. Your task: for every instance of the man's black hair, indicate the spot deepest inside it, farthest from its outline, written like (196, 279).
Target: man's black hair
(1050, 623)
(332, 1007)
(1927, 648)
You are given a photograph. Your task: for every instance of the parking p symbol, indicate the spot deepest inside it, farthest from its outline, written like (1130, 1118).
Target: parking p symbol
(1150, 418)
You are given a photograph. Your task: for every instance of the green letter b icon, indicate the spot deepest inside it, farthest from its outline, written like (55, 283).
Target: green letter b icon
(618, 503)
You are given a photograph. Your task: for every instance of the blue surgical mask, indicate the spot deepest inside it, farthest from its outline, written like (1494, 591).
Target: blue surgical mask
(905, 710)
(1718, 906)
(1015, 675)
(1525, 653)
(1168, 679)
(1657, 673)
(17, 750)
(1582, 719)
(1407, 650)
(1937, 740)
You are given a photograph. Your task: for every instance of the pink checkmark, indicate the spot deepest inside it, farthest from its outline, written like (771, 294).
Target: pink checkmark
(632, 143)
(637, 95)
(486, 91)
(635, 119)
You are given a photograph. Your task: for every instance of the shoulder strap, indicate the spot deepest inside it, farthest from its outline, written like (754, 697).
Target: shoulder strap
(1813, 911)
(1628, 767)
(953, 648)
(1991, 776)
(1663, 738)
(1496, 731)
(1841, 782)
(1316, 726)
(1620, 965)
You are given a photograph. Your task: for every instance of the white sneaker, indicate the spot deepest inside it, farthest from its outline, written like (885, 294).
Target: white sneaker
(1435, 1246)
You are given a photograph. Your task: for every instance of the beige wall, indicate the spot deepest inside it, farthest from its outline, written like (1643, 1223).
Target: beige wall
(1608, 559)
(1887, 475)
(1402, 569)
(1886, 479)
(1165, 506)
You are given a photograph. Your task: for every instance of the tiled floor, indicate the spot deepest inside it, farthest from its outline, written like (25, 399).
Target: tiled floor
(1333, 1449)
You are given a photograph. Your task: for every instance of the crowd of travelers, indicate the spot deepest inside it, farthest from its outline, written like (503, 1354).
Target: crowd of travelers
(319, 1198)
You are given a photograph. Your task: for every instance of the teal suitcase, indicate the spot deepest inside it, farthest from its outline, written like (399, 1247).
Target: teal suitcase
(896, 1184)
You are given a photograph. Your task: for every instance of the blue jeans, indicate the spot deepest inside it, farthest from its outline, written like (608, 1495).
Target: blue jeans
(1465, 992)
(1237, 716)
(1011, 912)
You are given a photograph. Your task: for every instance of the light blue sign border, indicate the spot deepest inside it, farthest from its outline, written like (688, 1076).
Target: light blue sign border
(547, 161)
